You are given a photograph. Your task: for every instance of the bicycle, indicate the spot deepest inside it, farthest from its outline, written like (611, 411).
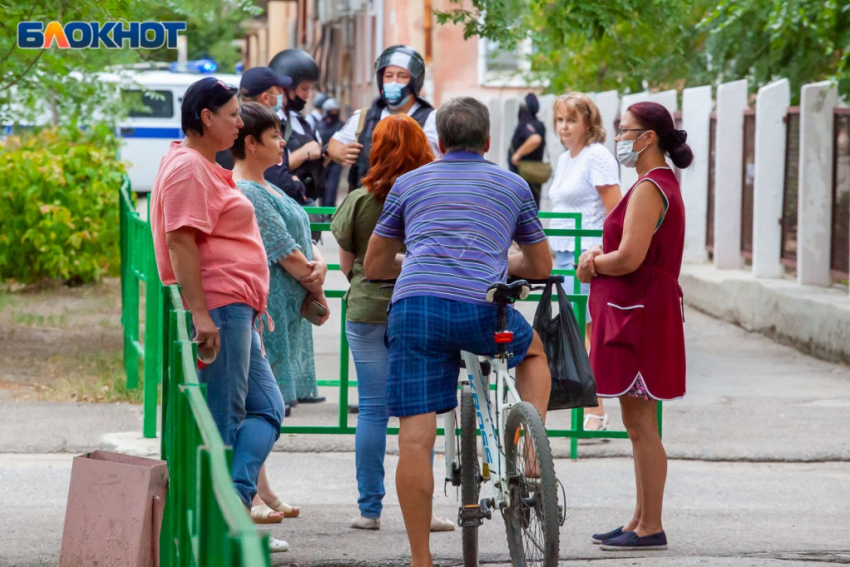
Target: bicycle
(514, 443)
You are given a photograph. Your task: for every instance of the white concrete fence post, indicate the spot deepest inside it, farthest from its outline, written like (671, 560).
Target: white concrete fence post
(814, 193)
(696, 121)
(728, 174)
(609, 105)
(494, 105)
(771, 109)
(510, 108)
(628, 175)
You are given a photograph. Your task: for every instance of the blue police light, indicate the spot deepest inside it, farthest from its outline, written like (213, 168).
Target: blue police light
(240, 67)
(197, 66)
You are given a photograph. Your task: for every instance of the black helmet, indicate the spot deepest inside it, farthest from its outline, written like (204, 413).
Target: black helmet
(406, 57)
(297, 64)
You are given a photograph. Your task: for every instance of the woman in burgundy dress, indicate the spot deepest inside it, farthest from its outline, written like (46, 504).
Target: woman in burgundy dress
(638, 344)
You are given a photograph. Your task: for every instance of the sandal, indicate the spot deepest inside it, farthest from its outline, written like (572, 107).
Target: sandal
(261, 513)
(279, 505)
(603, 418)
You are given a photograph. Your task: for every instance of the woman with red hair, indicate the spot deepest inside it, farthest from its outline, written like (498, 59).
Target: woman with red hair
(399, 145)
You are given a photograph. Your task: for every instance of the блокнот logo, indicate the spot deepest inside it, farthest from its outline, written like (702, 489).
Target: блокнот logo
(94, 35)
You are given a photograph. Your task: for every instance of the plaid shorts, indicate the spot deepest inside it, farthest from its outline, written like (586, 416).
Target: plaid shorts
(425, 336)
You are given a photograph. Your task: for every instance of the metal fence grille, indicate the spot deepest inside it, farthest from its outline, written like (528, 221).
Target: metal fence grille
(790, 187)
(748, 183)
(840, 245)
(709, 217)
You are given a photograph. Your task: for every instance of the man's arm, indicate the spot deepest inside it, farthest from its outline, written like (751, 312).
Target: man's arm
(382, 260)
(533, 261)
(531, 144)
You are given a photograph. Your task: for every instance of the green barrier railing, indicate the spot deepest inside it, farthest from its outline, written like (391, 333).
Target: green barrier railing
(579, 301)
(138, 266)
(204, 521)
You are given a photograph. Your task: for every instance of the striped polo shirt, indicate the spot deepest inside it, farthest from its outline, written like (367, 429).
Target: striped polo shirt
(457, 218)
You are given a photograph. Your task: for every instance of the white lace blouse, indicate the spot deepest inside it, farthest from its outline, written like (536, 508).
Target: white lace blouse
(574, 191)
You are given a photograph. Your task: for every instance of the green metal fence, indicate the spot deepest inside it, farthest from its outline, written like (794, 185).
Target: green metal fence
(138, 266)
(204, 523)
(344, 382)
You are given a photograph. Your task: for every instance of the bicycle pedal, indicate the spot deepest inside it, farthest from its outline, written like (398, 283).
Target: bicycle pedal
(472, 515)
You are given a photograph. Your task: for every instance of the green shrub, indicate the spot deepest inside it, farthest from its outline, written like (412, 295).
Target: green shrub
(58, 205)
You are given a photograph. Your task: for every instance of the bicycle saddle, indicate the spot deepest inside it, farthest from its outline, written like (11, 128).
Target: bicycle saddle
(508, 292)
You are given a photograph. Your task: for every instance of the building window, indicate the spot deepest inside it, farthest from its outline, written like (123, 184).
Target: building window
(498, 66)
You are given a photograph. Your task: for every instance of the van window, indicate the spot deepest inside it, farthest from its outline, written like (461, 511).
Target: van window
(150, 104)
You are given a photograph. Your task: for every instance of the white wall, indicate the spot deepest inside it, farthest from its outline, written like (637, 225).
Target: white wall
(771, 107)
(696, 115)
(814, 204)
(729, 163)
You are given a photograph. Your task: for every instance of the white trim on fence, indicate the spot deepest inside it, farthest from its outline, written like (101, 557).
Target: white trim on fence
(814, 205)
(771, 108)
(696, 121)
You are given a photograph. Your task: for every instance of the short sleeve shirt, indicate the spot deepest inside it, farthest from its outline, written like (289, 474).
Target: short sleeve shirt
(347, 134)
(190, 191)
(352, 226)
(574, 190)
(458, 217)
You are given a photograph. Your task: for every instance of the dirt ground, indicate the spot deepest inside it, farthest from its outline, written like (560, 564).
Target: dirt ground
(63, 343)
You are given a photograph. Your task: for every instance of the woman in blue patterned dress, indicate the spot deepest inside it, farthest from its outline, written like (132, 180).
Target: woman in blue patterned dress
(297, 271)
(297, 267)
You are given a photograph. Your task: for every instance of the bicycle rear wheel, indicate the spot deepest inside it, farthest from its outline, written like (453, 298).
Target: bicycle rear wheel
(470, 474)
(531, 521)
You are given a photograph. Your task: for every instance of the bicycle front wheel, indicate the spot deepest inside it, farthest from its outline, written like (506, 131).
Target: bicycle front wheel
(470, 474)
(531, 520)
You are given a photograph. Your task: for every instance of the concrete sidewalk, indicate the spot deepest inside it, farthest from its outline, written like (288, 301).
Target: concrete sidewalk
(759, 472)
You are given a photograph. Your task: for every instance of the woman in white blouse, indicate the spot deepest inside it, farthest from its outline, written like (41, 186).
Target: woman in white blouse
(587, 181)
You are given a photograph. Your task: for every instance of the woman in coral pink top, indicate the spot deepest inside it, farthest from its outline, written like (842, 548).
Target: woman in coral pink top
(207, 240)
(638, 344)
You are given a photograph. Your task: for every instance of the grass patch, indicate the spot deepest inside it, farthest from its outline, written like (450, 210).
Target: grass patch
(92, 378)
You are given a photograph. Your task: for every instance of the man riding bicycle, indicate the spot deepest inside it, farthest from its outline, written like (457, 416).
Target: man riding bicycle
(457, 218)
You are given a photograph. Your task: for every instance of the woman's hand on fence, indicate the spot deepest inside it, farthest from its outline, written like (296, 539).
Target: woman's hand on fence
(206, 333)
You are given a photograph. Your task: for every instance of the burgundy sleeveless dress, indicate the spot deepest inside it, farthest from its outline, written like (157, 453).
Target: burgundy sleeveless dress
(638, 338)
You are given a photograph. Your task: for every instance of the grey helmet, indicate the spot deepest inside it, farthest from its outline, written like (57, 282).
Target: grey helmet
(402, 56)
(297, 64)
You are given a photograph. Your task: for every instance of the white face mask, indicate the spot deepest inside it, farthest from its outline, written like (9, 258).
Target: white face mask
(625, 154)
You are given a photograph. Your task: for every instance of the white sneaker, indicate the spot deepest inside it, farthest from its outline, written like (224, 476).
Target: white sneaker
(277, 545)
(361, 523)
(439, 524)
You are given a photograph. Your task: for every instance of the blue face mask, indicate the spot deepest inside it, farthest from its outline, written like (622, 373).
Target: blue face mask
(279, 104)
(396, 94)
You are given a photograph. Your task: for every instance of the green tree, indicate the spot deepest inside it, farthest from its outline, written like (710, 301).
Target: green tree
(60, 86)
(630, 45)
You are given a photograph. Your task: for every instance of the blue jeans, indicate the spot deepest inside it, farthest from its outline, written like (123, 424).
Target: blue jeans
(243, 396)
(366, 342)
(565, 261)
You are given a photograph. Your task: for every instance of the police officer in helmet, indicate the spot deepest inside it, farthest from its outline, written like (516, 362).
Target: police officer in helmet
(400, 74)
(302, 141)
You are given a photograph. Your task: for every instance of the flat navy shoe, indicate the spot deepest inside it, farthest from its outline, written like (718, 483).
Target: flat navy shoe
(599, 538)
(630, 541)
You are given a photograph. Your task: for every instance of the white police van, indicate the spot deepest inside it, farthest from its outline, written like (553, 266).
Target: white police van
(147, 132)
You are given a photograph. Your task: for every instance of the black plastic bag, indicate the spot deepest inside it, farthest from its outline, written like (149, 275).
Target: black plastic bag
(573, 385)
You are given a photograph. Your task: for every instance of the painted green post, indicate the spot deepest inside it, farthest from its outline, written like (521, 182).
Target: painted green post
(153, 336)
(343, 368)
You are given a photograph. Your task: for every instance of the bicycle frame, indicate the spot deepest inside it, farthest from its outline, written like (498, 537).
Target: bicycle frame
(491, 428)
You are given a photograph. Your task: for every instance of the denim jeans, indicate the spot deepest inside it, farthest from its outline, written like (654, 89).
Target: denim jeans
(565, 261)
(366, 341)
(243, 396)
